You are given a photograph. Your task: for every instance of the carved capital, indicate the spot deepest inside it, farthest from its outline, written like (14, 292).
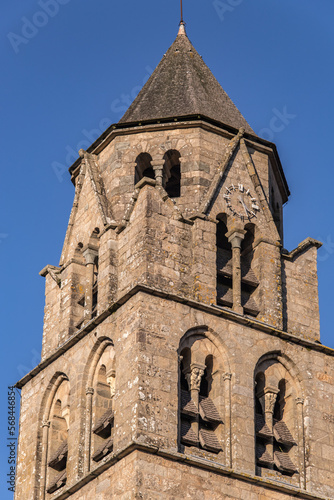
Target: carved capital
(158, 167)
(158, 163)
(89, 390)
(89, 253)
(267, 399)
(235, 237)
(227, 376)
(194, 377)
(46, 423)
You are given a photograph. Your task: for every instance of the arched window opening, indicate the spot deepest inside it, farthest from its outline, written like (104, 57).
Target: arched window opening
(259, 387)
(273, 420)
(95, 287)
(224, 265)
(185, 363)
(249, 281)
(103, 415)
(143, 167)
(206, 381)
(172, 173)
(200, 421)
(280, 401)
(58, 440)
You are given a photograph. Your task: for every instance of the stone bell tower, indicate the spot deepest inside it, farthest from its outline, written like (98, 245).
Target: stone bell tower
(181, 349)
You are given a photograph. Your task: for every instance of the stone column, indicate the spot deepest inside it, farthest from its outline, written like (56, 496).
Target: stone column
(228, 420)
(235, 237)
(194, 378)
(158, 167)
(88, 433)
(44, 465)
(301, 442)
(267, 399)
(89, 253)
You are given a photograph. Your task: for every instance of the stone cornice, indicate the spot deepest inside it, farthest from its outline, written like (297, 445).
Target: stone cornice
(191, 461)
(304, 245)
(210, 309)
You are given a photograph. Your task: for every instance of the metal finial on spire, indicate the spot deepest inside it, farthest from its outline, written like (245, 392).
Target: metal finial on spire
(182, 30)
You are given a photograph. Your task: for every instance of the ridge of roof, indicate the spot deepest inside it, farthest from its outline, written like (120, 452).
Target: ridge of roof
(182, 84)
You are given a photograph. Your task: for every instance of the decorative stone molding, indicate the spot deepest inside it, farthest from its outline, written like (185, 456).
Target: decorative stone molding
(89, 390)
(300, 401)
(227, 376)
(46, 423)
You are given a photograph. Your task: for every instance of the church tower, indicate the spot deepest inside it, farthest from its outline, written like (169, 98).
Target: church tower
(181, 349)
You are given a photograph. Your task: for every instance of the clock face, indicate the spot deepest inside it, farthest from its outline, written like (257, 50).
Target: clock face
(240, 202)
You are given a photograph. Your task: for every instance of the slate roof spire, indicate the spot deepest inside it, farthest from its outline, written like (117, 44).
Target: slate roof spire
(183, 85)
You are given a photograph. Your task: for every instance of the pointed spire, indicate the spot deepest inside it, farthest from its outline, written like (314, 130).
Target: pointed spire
(182, 85)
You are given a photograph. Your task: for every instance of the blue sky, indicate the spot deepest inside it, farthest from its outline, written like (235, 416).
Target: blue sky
(64, 81)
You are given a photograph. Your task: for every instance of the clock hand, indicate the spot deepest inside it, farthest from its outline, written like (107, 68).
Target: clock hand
(243, 204)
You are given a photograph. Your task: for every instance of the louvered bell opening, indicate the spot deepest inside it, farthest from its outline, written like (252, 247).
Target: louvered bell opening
(58, 482)
(59, 458)
(94, 301)
(262, 429)
(224, 263)
(103, 425)
(284, 463)
(188, 436)
(188, 407)
(209, 441)
(224, 294)
(263, 457)
(282, 434)
(248, 276)
(208, 411)
(249, 304)
(103, 450)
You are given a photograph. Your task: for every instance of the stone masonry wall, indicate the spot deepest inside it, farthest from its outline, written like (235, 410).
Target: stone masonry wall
(146, 333)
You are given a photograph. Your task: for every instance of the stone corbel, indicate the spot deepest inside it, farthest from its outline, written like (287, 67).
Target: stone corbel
(53, 271)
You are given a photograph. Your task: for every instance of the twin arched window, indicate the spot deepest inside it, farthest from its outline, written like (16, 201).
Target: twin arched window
(170, 171)
(224, 260)
(201, 424)
(203, 402)
(275, 419)
(102, 415)
(57, 450)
